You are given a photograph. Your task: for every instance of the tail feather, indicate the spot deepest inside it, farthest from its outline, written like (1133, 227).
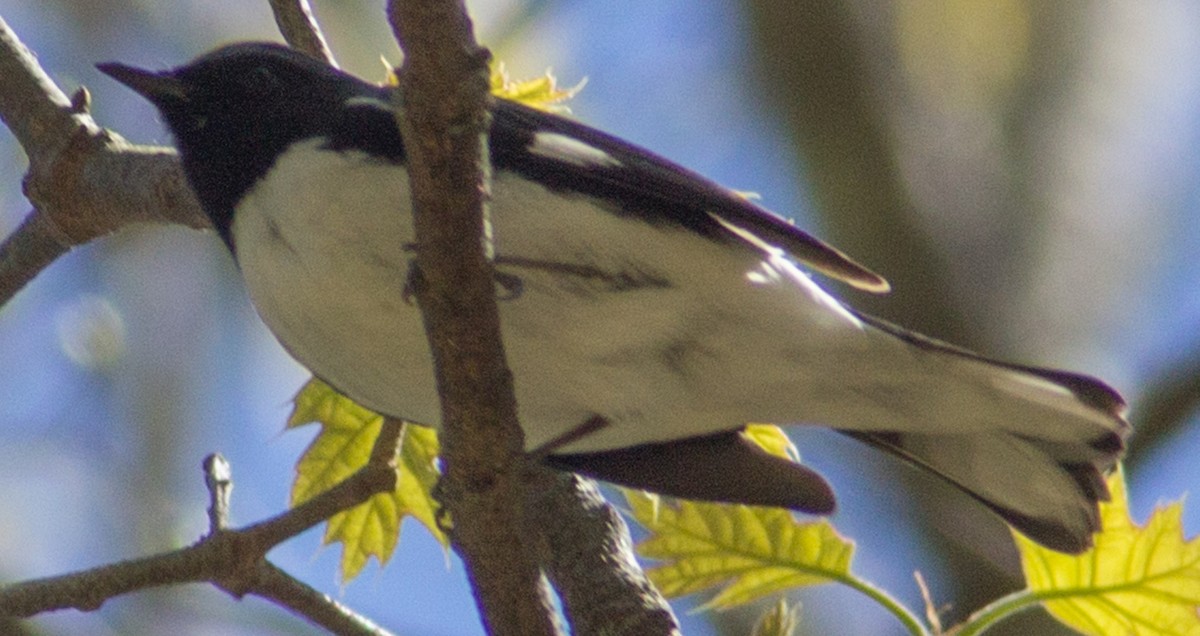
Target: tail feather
(1050, 502)
(1039, 462)
(1086, 390)
(1033, 445)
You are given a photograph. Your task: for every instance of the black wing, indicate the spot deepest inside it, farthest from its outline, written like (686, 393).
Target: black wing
(652, 187)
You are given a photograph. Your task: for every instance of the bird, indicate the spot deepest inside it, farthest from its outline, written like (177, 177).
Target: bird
(647, 313)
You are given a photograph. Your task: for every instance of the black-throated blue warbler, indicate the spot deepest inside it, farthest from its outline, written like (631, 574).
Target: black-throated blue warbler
(638, 301)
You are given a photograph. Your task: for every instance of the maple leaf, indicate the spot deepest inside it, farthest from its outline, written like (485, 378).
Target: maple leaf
(1138, 580)
(348, 432)
(541, 93)
(749, 551)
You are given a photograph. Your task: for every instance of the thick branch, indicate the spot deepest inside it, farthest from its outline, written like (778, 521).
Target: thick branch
(28, 250)
(31, 105)
(443, 99)
(84, 182)
(589, 557)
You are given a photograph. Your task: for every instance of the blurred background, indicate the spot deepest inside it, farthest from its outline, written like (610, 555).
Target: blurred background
(1025, 173)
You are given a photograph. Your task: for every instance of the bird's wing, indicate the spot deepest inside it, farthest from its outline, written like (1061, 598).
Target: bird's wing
(719, 467)
(566, 155)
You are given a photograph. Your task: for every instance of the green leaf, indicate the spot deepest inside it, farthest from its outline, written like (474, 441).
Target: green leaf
(541, 93)
(348, 432)
(772, 439)
(1136, 581)
(750, 552)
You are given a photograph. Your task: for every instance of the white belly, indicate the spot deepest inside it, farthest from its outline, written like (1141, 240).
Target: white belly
(691, 345)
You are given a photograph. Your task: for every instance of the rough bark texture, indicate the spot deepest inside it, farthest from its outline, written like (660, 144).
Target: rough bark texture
(444, 120)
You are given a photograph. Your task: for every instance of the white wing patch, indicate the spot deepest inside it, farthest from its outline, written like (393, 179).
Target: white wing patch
(572, 151)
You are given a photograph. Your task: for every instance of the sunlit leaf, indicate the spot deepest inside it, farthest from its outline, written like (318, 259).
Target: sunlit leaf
(1136, 581)
(750, 552)
(772, 439)
(348, 432)
(541, 93)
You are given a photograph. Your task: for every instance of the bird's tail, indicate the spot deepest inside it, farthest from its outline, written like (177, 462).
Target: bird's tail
(1041, 467)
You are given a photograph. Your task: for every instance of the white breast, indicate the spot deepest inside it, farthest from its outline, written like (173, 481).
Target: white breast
(723, 338)
(328, 275)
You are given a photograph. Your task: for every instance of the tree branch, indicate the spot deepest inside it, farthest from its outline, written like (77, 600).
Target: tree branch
(32, 106)
(300, 29)
(73, 166)
(320, 609)
(443, 117)
(233, 560)
(586, 550)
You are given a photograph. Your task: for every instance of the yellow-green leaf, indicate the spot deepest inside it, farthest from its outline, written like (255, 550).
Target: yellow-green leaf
(541, 93)
(750, 551)
(1136, 581)
(772, 439)
(348, 432)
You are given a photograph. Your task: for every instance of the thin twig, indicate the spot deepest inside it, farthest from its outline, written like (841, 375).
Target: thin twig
(932, 615)
(87, 590)
(387, 445)
(234, 560)
(320, 609)
(218, 477)
(377, 476)
(300, 29)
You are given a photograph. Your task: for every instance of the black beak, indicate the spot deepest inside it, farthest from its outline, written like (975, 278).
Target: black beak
(158, 87)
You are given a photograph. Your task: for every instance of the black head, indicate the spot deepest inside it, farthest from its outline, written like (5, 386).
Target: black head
(234, 110)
